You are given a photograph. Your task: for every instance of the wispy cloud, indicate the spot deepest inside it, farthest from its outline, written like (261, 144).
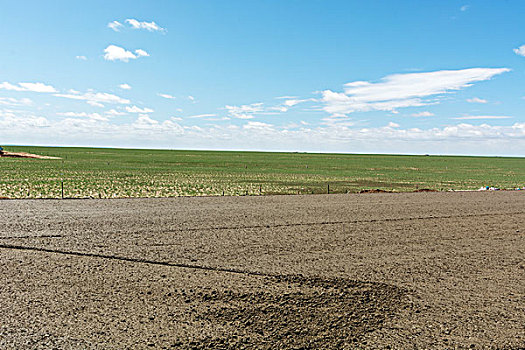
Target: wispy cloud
(148, 132)
(93, 116)
(125, 86)
(520, 50)
(476, 100)
(202, 116)
(135, 109)
(114, 113)
(94, 103)
(168, 96)
(293, 102)
(81, 58)
(149, 26)
(475, 117)
(257, 126)
(115, 25)
(245, 111)
(96, 98)
(423, 114)
(141, 53)
(217, 119)
(117, 53)
(10, 101)
(402, 90)
(32, 87)
(286, 97)
(464, 8)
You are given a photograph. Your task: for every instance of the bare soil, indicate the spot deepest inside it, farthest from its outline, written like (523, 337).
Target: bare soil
(411, 270)
(6, 154)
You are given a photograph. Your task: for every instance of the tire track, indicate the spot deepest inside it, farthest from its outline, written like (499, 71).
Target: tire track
(307, 224)
(28, 236)
(432, 217)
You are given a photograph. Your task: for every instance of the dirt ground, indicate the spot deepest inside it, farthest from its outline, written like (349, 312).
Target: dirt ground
(24, 155)
(413, 270)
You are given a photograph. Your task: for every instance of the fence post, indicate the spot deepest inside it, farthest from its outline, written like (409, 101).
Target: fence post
(62, 183)
(328, 189)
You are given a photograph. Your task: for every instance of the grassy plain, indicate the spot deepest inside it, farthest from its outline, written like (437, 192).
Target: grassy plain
(108, 173)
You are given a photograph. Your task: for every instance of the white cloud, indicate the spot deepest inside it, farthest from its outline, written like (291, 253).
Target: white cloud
(474, 117)
(476, 100)
(135, 109)
(290, 102)
(95, 104)
(73, 114)
(8, 86)
(37, 87)
(464, 8)
(402, 90)
(423, 114)
(95, 98)
(217, 119)
(115, 25)
(94, 116)
(339, 123)
(19, 128)
(393, 125)
(176, 119)
(244, 111)
(191, 98)
(257, 126)
(170, 97)
(32, 87)
(202, 115)
(144, 121)
(21, 124)
(6, 113)
(149, 26)
(117, 53)
(293, 102)
(520, 50)
(125, 86)
(167, 96)
(281, 109)
(10, 101)
(141, 53)
(82, 58)
(114, 112)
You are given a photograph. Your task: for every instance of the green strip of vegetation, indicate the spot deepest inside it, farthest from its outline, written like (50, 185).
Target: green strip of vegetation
(107, 173)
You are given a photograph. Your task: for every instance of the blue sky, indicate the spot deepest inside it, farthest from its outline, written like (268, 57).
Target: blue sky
(442, 77)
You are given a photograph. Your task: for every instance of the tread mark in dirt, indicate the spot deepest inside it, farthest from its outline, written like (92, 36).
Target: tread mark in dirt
(432, 217)
(41, 236)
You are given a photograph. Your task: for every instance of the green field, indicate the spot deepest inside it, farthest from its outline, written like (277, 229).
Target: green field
(107, 173)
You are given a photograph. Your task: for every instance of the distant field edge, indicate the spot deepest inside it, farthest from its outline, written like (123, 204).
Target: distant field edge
(80, 172)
